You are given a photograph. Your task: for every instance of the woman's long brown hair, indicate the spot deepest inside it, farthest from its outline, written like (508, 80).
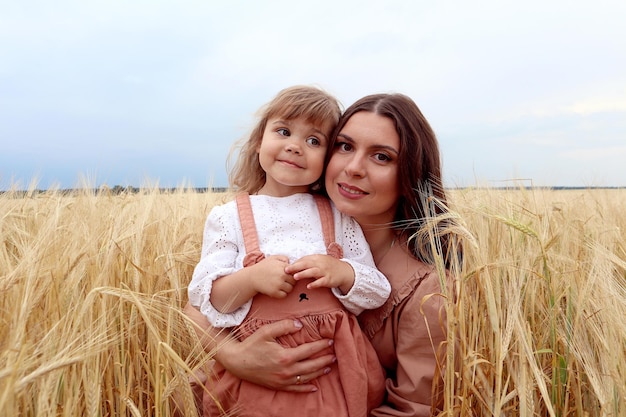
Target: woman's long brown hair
(422, 195)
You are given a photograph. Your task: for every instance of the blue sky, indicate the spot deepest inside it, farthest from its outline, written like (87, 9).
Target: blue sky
(155, 92)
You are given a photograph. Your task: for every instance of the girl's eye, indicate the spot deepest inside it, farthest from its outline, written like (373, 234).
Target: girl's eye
(313, 141)
(283, 132)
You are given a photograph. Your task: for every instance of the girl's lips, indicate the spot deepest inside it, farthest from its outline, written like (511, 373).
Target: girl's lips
(289, 163)
(350, 192)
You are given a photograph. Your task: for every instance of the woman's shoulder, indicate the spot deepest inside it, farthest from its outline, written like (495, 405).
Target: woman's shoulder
(411, 280)
(404, 271)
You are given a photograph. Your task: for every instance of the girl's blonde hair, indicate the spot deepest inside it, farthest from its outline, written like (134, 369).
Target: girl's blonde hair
(311, 103)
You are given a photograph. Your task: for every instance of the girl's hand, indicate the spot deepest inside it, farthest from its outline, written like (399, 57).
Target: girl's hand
(268, 277)
(326, 270)
(264, 277)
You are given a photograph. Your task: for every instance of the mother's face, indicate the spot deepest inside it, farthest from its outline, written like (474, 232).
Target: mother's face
(362, 174)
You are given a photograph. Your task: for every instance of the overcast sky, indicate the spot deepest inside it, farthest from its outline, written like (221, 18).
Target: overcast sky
(155, 92)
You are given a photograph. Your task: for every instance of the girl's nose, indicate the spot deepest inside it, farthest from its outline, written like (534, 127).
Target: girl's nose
(293, 147)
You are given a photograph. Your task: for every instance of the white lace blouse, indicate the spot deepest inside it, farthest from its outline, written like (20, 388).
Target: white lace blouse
(288, 226)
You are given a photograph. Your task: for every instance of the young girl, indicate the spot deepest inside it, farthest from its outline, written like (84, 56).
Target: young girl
(277, 222)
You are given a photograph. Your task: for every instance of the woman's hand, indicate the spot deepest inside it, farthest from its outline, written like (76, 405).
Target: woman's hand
(261, 360)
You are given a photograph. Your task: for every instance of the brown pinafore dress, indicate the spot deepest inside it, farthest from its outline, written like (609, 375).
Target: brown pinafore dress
(355, 384)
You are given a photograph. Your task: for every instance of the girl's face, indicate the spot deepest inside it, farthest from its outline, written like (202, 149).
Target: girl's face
(292, 155)
(362, 174)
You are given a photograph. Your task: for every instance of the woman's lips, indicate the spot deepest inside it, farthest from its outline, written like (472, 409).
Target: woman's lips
(349, 191)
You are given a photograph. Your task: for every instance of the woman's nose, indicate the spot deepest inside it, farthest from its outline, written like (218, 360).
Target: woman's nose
(355, 167)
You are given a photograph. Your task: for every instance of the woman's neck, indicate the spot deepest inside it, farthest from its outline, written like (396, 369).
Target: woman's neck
(380, 239)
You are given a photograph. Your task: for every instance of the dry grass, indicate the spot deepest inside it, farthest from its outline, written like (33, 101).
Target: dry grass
(93, 284)
(92, 287)
(541, 304)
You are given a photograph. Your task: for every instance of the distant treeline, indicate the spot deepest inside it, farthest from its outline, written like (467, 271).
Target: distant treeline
(118, 189)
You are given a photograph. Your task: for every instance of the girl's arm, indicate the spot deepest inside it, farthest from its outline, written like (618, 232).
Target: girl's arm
(231, 292)
(260, 359)
(371, 288)
(266, 277)
(220, 252)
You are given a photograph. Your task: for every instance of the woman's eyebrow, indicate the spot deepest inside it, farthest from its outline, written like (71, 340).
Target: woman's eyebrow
(389, 148)
(348, 139)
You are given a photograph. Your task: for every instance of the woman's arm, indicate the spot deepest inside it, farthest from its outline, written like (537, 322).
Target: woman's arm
(260, 359)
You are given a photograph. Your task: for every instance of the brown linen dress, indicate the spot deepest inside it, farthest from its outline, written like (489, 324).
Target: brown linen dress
(409, 334)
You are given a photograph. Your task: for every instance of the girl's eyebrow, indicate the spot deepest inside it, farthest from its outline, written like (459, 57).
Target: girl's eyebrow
(376, 146)
(321, 134)
(286, 123)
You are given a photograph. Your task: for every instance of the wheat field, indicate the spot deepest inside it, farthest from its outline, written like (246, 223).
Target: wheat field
(93, 283)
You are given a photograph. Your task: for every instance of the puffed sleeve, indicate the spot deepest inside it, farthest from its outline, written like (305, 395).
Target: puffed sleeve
(218, 259)
(371, 288)
(419, 333)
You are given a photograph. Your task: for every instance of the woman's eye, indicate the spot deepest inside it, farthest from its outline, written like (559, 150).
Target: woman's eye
(282, 131)
(343, 146)
(381, 157)
(313, 141)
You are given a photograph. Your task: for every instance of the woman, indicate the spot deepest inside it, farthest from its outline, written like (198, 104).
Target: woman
(383, 153)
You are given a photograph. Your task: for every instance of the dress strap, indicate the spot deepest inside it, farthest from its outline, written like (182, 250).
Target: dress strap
(248, 228)
(328, 226)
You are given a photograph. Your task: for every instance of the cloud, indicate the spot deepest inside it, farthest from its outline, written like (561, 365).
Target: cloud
(532, 81)
(595, 154)
(611, 102)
